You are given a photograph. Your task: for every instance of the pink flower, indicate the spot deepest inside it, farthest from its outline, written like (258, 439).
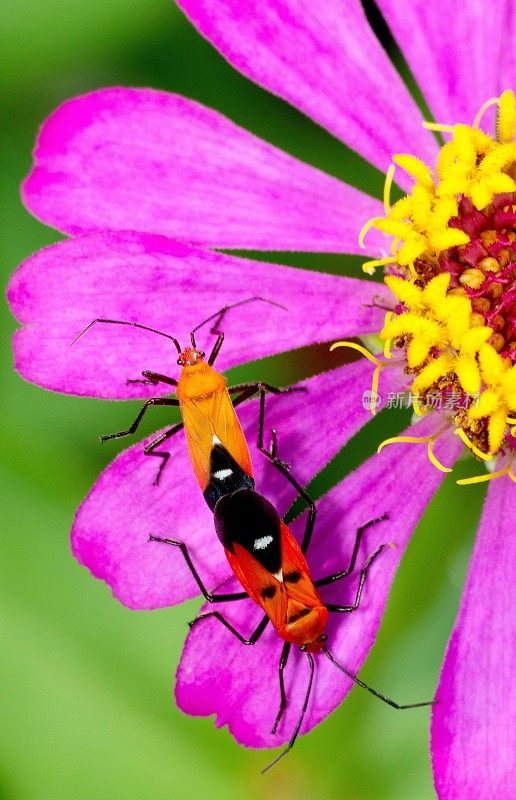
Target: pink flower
(147, 180)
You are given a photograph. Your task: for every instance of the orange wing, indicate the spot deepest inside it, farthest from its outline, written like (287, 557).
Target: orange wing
(207, 413)
(289, 598)
(261, 585)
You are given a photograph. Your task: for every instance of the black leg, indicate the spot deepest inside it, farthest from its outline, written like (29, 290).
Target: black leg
(284, 468)
(293, 738)
(152, 378)
(216, 615)
(265, 387)
(154, 401)
(342, 574)
(381, 696)
(212, 598)
(283, 701)
(363, 576)
(149, 449)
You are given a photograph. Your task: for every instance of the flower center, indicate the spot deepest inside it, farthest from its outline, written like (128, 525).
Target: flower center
(452, 271)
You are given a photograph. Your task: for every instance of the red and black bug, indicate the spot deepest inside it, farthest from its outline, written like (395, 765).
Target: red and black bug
(272, 568)
(216, 444)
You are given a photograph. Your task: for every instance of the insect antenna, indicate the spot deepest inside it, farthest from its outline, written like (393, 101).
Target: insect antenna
(125, 322)
(222, 311)
(293, 738)
(381, 696)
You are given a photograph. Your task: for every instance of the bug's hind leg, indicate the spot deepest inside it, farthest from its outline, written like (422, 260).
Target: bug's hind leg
(336, 576)
(212, 598)
(284, 468)
(363, 576)
(253, 638)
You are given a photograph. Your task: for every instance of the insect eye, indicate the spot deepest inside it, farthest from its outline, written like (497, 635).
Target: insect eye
(179, 361)
(323, 637)
(202, 353)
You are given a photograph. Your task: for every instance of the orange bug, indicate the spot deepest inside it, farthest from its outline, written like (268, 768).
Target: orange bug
(272, 568)
(216, 444)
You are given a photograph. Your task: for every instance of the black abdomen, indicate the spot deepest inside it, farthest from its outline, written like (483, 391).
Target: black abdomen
(226, 476)
(250, 520)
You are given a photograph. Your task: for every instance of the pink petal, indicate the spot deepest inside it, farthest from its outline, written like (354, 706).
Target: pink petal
(473, 725)
(239, 684)
(323, 58)
(161, 283)
(508, 56)
(156, 162)
(111, 531)
(453, 53)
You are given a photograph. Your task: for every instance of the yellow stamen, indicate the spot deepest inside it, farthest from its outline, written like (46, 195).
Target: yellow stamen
(415, 167)
(366, 227)
(403, 440)
(387, 346)
(374, 387)
(442, 335)
(433, 458)
(370, 266)
(437, 126)
(506, 123)
(472, 447)
(365, 352)
(412, 269)
(387, 186)
(482, 110)
(417, 407)
(489, 476)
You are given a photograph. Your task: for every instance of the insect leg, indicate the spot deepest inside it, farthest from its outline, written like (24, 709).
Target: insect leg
(283, 702)
(154, 401)
(265, 387)
(363, 576)
(148, 450)
(151, 378)
(381, 696)
(293, 738)
(217, 615)
(342, 574)
(212, 598)
(284, 468)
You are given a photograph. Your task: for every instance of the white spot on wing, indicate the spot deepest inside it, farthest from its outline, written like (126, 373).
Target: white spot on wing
(262, 543)
(215, 440)
(222, 473)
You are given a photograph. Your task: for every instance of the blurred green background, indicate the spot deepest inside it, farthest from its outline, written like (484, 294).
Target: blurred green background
(86, 685)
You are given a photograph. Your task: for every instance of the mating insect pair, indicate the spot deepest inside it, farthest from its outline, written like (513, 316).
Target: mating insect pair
(261, 550)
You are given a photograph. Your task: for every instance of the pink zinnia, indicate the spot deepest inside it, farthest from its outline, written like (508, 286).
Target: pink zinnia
(149, 181)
